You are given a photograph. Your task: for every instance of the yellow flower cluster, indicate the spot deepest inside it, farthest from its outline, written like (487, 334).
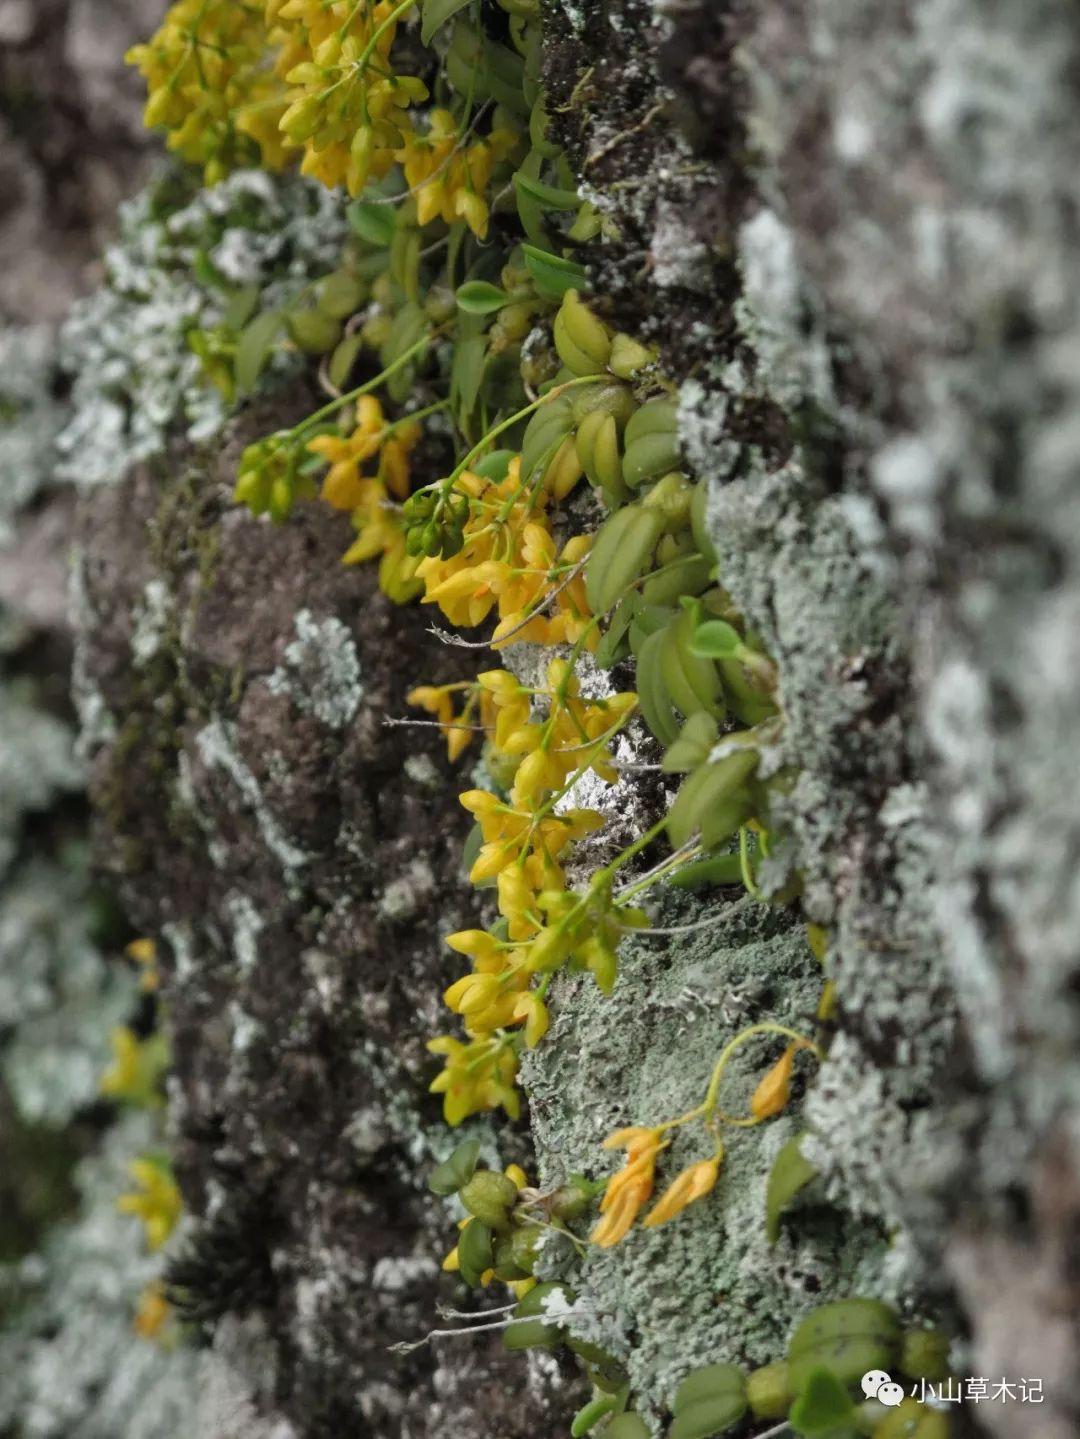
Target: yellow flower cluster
(232, 79)
(370, 498)
(475, 1077)
(476, 716)
(630, 1189)
(211, 87)
(346, 106)
(156, 1202)
(448, 178)
(509, 561)
(523, 840)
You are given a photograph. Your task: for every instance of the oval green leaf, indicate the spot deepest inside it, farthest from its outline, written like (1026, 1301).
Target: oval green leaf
(715, 640)
(343, 359)
(477, 297)
(453, 1173)
(373, 223)
(551, 274)
(434, 15)
(790, 1173)
(823, 1405)
(254, 347)
(627, 1426)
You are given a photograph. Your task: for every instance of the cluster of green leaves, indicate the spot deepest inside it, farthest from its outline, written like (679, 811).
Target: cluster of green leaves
(816, 1386)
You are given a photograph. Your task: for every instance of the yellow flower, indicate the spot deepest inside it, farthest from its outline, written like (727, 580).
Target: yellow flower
(211, 88)
(144, 952)
(138, 1064)
(532, 1009)
(477, 1076)
(153, 1313)
(688, 1187)
(774, 1090)
(629, 1190)
(158, 1205)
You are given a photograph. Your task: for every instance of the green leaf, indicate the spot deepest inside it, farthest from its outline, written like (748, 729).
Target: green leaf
(627, 1426)
(715, 640)
(848, 1336)
(343, 359)
(241, 308)
(551, 274)
(823, 1405)
(314, 332)
(454, 1173)
(613, 645)
(475, 1251)
(694, 745)
(477, 297)
(790, 1173)
(254, 347)
(586, 1419)
(467, 372)
(530, 212)
(549, 197)
(708, 1401)
(340, 294)
(373, 223)
(494, 466)
(434, 15)
(718, 869)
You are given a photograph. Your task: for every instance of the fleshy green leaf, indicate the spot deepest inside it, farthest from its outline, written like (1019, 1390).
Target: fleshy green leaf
(453, 1173)
(823, 1405)
(241, 308)
(715, 640)
(694, 745)
(548, 197)
(475, 1251)
(477, 297)
(343, 359)
(551, 274)
(254, 347)
(627, 1426)
(467, 372)
(434, 15)
(790, 1173)
(340, 294)
(373, 223)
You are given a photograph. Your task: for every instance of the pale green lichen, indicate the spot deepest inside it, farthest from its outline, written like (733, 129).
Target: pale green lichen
(30, 417)
(706, 1287)
(321, 670)
(216, 747)
(69, 1361)
(136, 379)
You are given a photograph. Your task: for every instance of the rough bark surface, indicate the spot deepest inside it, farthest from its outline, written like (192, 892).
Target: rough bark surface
(302, 861)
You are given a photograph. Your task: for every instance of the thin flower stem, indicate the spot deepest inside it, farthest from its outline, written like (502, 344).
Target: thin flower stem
(364, 389)
(710, 923)
(506, 424)
(766, 1027)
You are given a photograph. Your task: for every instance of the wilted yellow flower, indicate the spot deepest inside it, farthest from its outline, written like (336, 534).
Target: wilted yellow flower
(774, 1090)
(628, 1190)
(688, 1187)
